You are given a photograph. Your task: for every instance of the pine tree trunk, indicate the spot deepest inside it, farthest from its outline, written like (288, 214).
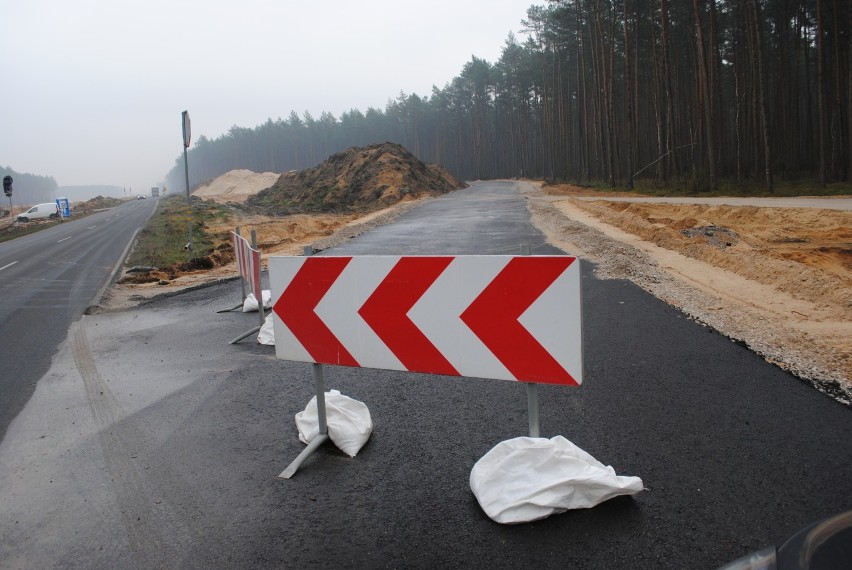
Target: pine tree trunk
(705, 88)
(671, 167)
(629, 99)
(762, 96)
(821, 92)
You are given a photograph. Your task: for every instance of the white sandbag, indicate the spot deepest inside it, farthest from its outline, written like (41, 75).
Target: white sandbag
(526, 479)
(250, 304)
(266, 336)
(348, 420)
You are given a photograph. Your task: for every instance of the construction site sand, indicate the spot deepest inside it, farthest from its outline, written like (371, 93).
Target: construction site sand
(781, 282)
(236, 186)
(783, 286)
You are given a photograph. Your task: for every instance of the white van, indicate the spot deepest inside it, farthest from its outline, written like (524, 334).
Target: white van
(46, 210)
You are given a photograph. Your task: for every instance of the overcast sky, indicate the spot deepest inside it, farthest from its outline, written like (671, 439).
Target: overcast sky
(92, 90)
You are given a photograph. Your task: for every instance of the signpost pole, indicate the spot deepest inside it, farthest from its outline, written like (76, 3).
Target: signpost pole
(7, 188)
(532, 388)
(321, 414)
(186, 137)
(318, 380)
(242, 279)
(322, 436)
(260, 308)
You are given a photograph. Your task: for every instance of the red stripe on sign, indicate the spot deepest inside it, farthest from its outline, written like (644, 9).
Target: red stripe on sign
(255, 277)
(386, 312)
(493, 318)
(297, 304)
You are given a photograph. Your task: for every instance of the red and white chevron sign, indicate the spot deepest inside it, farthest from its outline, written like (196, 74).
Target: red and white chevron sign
(503, 317)
(248, 263)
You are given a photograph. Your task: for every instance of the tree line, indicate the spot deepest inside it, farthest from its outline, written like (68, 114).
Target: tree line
(695, 93)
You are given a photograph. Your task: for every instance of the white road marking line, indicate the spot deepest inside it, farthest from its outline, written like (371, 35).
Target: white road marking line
(63, 239)
(92, 227)
(8, 265)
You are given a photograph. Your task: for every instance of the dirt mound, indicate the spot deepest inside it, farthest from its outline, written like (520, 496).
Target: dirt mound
(801, 251)
(357, 180)
(96, 203)
(236, 186)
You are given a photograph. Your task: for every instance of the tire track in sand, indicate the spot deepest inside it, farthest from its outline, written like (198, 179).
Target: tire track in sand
(144, 526)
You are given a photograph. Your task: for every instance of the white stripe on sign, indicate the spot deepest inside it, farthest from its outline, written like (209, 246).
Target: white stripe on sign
(287, 346)
(437, 315)
(545, 320)
(339, 310)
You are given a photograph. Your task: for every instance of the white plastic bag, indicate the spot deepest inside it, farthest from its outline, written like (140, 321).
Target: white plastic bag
(348, 420)
(250, 304)
(526, 479)
(266, 336)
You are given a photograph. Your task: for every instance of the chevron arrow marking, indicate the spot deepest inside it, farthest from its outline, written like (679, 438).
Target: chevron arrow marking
(495, 318)
(504, 317)
(386, 313)
(296, 307)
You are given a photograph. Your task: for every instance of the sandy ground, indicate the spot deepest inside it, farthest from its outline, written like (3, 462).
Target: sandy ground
(236, 186)
(778, 279)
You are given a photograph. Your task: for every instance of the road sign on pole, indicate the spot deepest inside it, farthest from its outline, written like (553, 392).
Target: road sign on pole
(503, 317)
(64, 206)
(187, 134)
(186, 137)
(7, 188)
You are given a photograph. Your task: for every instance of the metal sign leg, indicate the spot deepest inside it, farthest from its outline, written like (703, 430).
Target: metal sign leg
(245, 335)
(532, 389)
(532, 408)
(322, 437)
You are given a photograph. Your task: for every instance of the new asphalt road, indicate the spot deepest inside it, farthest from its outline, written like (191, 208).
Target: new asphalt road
(151, 442)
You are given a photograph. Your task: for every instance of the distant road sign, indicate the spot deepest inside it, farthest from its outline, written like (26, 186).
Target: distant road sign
(187, 135)
(503, 317)
(64, 207)
(7, 185)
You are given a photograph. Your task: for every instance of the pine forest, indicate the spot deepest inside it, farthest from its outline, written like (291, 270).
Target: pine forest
(698, 94)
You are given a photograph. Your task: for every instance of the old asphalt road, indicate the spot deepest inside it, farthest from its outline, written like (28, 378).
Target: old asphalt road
(151, 442)
(47, 280)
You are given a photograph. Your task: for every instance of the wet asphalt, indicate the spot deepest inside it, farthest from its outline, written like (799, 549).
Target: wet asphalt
(152, 442)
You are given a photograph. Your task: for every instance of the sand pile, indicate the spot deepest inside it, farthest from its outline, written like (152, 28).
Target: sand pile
(236, 186)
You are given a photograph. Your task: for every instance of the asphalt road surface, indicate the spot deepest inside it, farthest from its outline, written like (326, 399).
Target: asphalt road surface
(47, 280)
(151, 442)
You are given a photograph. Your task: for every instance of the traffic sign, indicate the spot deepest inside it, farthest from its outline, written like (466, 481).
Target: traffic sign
(503, 317)
(187, 130)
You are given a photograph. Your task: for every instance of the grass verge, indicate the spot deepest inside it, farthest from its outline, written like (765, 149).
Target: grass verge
(162, 242)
